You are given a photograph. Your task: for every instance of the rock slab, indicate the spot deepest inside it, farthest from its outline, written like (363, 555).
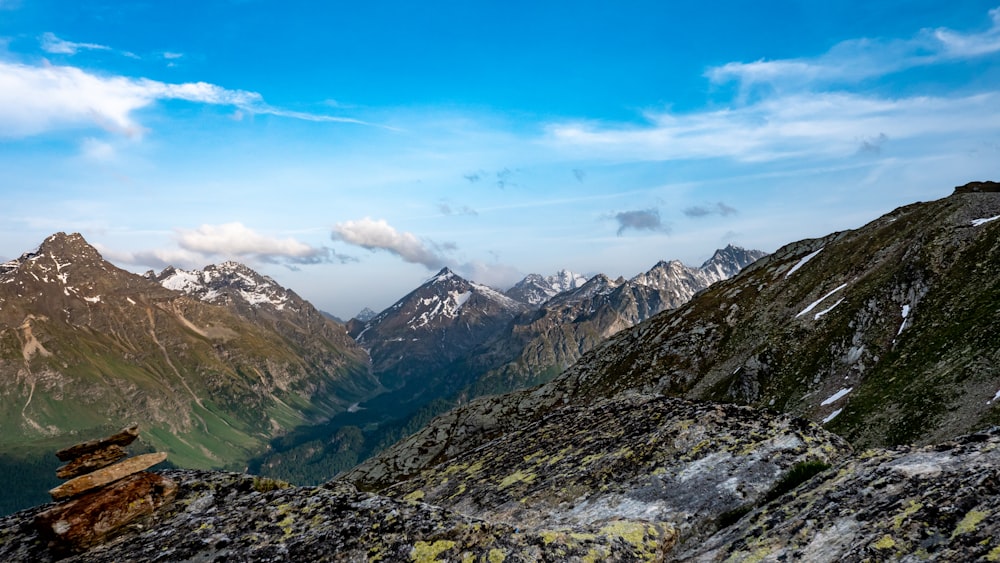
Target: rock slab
(90, 518)
(110, 474)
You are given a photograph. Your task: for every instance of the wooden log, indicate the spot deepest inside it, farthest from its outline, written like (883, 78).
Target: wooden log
(123, 438)
(92, 518)
(91, 462)
(110, 474)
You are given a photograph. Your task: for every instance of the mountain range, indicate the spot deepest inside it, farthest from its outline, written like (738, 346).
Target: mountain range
(225, 367)
(833, 401)
(451, 339)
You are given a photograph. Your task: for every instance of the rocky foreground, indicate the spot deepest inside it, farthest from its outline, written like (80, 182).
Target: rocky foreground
(707, 482)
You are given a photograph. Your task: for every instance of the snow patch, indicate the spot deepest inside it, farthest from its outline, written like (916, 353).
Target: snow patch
(832, 416)
(814, 304)
(977, 222)
(995, 397)
(96, 299)
(836, 396)
(828, 309)
(803, 261)
(906, 313)
(129, 299)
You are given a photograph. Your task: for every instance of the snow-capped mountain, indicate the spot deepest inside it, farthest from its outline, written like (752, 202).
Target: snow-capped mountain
(257, 298)
(432, 326)
(227, 283)
(535, 289)
(571, 323)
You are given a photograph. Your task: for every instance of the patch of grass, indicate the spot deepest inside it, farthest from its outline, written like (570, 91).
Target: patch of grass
(798, 474)
(730, 517)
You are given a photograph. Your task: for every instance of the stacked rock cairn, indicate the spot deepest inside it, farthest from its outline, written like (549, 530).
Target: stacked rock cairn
(104, 492)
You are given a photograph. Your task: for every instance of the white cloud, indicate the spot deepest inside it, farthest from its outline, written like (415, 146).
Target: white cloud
(235, 239)
(36, 99)
(52, 44)
(228, 241)
(818, 125)
(379, 235)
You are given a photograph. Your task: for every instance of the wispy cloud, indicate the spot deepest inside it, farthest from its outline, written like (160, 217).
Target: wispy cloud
(380, 235)
(957, 44)
(818, 125)
(52, 44)
(36, 99)
(806, 107)
(640, 220)
(859, 59)
(718, 208)
(447, 209)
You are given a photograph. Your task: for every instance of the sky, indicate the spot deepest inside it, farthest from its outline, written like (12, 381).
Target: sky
(351, 150)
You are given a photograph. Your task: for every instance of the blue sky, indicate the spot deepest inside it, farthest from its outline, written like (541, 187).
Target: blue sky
(350, 151)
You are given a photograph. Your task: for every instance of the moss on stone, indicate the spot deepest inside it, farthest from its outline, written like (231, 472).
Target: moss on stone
(969, 522)
(885, 542)
(426, 552)
(415, 496)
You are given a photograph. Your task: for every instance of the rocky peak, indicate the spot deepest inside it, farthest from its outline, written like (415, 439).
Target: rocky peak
(227, 283)
(535, 289)
(58, 251)
(365, 315)
(728, 261)
(978, 187)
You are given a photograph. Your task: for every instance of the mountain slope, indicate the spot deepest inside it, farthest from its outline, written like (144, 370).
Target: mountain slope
(884, 334)
(86, 347)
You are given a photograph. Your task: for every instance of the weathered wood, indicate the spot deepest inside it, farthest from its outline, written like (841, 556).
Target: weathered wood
(91, 462)
(123, 438)
(106, 475)
(89, 519)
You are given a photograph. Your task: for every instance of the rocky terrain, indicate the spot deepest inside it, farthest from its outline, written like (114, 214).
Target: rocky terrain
(643, 479)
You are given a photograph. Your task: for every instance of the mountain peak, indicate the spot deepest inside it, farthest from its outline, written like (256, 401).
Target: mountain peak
(224, 283)
(443, 275)
(535, 289)
(69, 246)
